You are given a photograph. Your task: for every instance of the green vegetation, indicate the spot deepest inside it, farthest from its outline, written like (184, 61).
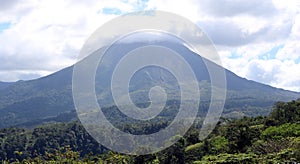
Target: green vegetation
(272, 139)
(282, 131)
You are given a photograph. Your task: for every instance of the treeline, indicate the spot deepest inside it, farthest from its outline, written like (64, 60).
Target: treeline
(272, 139)
(19, 144)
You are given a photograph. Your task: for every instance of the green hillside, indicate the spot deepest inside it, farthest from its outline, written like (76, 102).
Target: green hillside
(272, 139)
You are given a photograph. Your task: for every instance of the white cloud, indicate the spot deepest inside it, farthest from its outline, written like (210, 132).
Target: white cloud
(46, 36)
(281, 74)
(187, 9)
(228, 8)
(263, 70)
(290, 51)
(245, 40)
(24, 75)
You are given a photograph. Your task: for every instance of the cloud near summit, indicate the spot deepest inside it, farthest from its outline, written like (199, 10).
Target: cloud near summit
(258, 40)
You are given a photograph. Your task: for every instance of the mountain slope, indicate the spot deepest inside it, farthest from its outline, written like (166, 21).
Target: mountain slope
(4, 85)
(47, 98)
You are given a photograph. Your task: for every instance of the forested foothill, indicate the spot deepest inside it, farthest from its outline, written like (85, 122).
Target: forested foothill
(263, 139)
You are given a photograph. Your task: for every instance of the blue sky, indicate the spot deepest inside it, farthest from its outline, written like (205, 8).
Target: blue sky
(258, 40)
(4, 26)
(271, 54)
(113, 11)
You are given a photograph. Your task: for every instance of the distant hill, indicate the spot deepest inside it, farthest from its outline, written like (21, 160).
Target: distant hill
(48, 98)
(4, 85)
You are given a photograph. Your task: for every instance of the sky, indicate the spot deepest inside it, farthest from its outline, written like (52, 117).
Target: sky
(257, 40)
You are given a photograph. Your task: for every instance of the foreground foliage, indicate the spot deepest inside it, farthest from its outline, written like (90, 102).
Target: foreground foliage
(273, 139)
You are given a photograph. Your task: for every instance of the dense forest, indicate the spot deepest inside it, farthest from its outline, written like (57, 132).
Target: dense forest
(271, 139)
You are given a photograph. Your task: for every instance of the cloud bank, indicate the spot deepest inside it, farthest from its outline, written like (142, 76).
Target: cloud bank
(258, 40)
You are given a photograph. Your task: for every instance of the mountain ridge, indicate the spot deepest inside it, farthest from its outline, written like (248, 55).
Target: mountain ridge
(51, 96)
